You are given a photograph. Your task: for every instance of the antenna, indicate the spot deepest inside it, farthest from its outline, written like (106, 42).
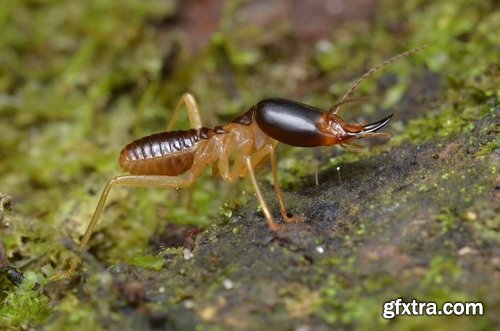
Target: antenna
(335, 108)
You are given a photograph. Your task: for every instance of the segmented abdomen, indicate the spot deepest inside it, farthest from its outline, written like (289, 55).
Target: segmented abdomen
(166, 153)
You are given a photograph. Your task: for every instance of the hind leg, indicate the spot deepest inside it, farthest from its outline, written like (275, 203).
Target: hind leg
(135, 181)
(195, 122)
(193, 112)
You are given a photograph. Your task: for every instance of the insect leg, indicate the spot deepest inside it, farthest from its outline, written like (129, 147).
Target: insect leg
(195, 122)
(136, 181)
(353, 147)
(270, 220)
(279, 194)
(193, 112)
(240, 168)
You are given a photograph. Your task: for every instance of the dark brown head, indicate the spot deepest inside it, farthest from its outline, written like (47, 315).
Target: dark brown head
(298, 124)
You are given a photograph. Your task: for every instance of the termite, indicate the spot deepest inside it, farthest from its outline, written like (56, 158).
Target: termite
(174, 159)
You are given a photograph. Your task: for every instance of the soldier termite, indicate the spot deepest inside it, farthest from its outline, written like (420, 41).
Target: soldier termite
(174, 159)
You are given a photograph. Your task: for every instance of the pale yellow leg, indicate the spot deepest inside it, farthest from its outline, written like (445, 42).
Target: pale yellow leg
(136, 181)
(195, 122)
(353, 147)
(279, 194)
(193, 112)
(240, 168)
(269, 218)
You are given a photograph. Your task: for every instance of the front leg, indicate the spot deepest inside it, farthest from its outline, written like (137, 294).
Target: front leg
(279, 194)
(245, 163)
(269, 217)
(240, 168)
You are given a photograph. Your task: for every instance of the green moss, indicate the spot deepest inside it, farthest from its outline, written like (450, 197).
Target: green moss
(488, 147)
(327, 306)
(73, 314)
(148, 262)
(24, 305)
(447, 220)
(442, 269)
(440, 125)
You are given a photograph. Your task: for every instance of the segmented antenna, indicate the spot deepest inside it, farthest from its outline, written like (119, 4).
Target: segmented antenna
(335, 108)
(354, 100)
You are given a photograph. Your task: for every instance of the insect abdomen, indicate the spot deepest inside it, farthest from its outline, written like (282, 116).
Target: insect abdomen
(165, 153)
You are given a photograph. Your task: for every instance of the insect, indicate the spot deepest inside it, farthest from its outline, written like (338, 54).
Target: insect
(174, 159)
